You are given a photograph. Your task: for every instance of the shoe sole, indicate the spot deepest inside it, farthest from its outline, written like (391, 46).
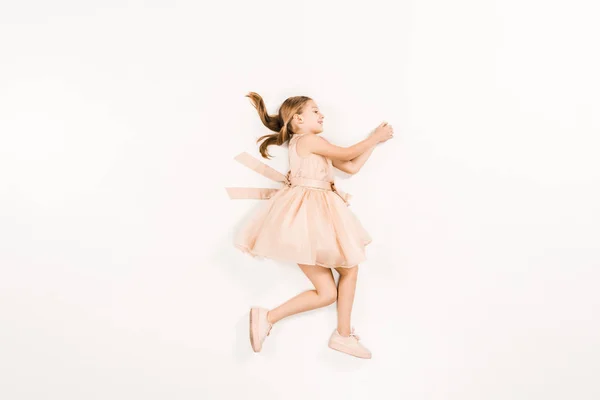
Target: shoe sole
(346, 350)
(254, 330)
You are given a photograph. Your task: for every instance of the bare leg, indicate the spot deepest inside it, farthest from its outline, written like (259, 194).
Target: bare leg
(346, 290)
(324, 294)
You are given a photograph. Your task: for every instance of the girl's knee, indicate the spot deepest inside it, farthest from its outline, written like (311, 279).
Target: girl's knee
(349, 271)
(328, 296)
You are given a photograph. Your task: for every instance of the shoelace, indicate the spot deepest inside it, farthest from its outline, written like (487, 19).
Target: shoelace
(268, 333)
(352, 334)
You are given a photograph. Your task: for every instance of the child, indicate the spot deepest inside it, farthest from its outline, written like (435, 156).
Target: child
(307, 220)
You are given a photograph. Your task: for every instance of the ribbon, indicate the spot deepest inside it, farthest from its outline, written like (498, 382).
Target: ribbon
(266, 193)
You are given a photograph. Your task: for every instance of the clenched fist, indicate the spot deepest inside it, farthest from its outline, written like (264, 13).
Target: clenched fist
(383, 132)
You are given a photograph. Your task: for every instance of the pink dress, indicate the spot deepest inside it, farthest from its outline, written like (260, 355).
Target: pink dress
(307, 221)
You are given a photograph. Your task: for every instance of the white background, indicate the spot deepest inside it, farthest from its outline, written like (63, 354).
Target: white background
(119, 122)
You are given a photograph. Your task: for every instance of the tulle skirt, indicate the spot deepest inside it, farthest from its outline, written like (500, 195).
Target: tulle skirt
(306, 226)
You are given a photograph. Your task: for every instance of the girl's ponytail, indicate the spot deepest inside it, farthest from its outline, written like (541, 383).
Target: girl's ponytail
(279, 123)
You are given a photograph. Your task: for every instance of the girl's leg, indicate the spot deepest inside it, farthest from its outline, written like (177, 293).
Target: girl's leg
(324, 294)
(346, 289)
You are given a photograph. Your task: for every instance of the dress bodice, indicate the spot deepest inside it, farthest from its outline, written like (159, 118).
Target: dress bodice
(313, 166)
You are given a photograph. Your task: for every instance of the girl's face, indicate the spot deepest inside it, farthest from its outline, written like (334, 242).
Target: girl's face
(311, 117)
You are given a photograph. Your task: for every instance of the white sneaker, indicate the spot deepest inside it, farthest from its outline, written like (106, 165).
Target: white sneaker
(259, 327)
(348, 344)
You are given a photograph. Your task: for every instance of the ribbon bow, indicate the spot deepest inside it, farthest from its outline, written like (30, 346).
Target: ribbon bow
(265, 170)
(345, 196)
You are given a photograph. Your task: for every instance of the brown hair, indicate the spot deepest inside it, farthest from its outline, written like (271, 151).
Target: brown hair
(280, 123)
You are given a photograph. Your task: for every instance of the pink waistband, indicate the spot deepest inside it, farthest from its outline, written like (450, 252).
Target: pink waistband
(314, 183)
(287, 181)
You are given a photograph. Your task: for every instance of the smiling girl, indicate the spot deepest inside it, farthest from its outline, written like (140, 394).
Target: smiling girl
(307, 221)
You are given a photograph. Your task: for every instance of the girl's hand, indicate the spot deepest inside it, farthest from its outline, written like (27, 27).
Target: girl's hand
(383, 132)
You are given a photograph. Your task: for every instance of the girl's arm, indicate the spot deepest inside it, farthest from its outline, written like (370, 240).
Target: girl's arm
(353, 166)
(357, 163)
(319, 145)
(344, 166)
